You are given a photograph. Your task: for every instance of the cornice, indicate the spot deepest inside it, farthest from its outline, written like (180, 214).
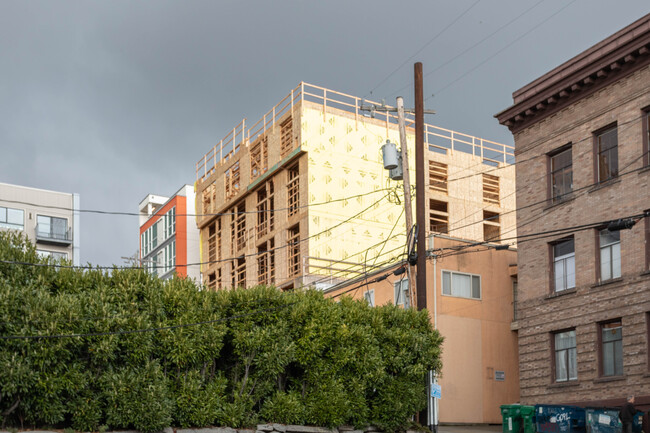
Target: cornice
(617, 56)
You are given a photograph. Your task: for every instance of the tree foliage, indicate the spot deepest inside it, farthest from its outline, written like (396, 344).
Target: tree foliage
(126, 350)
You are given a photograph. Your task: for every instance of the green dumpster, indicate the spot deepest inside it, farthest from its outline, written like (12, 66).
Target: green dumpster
(511, 416)
(528, 419)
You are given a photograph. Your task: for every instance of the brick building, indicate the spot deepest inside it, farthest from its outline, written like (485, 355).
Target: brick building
(301, 197)
(582, 140)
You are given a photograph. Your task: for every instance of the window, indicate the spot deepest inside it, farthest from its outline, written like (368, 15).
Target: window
(265, 210)
(461, 285)
(438, 216)
(564, 264)
(607, 154)
(239, 274)
(286, 137)
(566, 364)
(232, 180)
(170, 222)
(402, 296)
(212, 281)
(610, 254)
(259, 158)
(612, 348)
(293, 192)
(56, 255)
(238, 228)
(647, 239)
(490, 189)
(214, 241)
(209, 198)
(369, 296)
(293, 241)
(12, 218)
(52, 228)
(647, 338)
(491, 227)
(646, 136)
(167, 258)
(515, 295)
(438, 177)
(561, 174)
(266, 263)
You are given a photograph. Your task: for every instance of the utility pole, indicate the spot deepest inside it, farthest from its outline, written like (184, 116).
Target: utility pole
(408, 208)
(420, 205)
(420, 298)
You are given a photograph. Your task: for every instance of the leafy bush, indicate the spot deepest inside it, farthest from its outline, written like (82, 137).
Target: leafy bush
(136, 352)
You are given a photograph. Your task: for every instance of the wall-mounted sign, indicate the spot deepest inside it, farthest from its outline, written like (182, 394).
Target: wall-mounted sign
(499, 376)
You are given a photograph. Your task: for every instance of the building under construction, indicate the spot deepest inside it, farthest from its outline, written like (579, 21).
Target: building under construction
(301, 196)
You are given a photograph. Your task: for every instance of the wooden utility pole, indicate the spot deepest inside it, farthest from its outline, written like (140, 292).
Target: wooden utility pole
(420, 201)
(408, 207)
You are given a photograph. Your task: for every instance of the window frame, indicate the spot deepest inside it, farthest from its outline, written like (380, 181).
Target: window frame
(601, 351)
(645, 127)
(451, 275)
(554, 352)
(599, 257)
(401, 286)
(597, 152)
(11, 226)
(563, 257)
(369, 296)
(647, 239)
(552, 171)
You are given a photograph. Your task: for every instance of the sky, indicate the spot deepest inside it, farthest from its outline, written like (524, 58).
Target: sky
(115, 100)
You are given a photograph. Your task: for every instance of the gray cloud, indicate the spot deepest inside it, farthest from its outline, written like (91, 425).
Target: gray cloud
(118, 99)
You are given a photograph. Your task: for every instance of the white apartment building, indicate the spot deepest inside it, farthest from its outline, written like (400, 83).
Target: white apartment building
(50, 219)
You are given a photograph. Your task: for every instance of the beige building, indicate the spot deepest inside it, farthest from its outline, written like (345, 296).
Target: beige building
(49, 219)
(301, 196)
(470, 301)
(582, 144)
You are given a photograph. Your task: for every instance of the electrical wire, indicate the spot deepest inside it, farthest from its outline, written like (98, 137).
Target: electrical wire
(103, 212)
(492, 56)
(424, 46)
(466, 50)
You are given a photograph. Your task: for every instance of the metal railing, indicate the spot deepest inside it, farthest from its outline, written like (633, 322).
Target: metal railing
(437, 139)
(52, 234)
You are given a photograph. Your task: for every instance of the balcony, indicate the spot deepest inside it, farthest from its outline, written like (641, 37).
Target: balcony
(48, 234)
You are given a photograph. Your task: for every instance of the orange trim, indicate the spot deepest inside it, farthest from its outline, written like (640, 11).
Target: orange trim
(181, 236)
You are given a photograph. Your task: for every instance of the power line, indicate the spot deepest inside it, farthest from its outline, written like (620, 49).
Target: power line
(197, 263)
(424, 46)
(500, 51)
(475, 45)
(104, 212)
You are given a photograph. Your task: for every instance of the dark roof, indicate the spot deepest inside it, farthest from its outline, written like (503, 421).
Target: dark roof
(609, 60)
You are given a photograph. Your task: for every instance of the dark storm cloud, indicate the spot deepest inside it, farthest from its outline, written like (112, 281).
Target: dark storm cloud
(116, 99)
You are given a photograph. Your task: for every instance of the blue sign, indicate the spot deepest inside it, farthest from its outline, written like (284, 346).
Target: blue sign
(436, 391)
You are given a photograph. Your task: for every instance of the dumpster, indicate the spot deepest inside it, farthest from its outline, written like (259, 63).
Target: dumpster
(511, 417)
(559, 419)
(603, 420)
(637, 423)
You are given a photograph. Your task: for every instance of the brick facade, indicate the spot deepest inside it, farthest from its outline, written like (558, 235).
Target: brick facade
(607, 85)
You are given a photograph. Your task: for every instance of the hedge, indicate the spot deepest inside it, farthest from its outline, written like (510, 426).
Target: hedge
(123, 349)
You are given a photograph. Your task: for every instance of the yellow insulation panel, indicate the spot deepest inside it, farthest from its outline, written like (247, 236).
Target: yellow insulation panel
(345, 162)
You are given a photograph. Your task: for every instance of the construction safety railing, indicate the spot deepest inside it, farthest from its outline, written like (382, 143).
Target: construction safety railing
(437, 139)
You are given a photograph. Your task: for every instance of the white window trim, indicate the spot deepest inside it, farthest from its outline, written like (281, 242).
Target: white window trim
(480, 284)
(396, 294)
(369, 296)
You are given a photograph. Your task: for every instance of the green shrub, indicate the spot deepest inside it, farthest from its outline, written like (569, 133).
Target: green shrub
(199, 358)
